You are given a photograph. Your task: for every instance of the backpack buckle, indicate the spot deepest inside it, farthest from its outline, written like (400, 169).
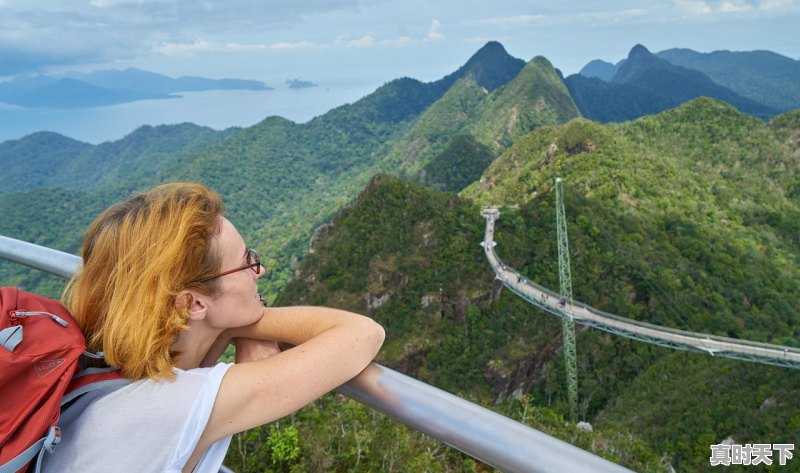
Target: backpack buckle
(52, 439)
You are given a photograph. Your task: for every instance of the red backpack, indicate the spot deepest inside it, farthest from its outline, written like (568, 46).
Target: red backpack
(40, 348)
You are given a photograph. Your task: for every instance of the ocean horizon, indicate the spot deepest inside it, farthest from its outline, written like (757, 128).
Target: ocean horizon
(217, 109)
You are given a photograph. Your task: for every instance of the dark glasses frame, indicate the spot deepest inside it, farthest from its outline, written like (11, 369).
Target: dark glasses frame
(253, 260)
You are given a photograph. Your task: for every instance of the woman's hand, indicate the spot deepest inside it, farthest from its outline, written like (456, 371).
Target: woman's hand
(331, 346)
(216, 350)
(251, 349)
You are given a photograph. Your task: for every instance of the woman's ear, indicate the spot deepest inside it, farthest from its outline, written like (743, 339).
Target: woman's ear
(195, 302)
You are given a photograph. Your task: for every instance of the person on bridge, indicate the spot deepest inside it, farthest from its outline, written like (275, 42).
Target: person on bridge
(166, 284)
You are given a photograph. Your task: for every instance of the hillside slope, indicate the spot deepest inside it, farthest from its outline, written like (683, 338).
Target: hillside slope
(536, 96)
(47, 160)
(37, 160)
(763, 76)
(279, 179)
(683, 219)
(646, 84)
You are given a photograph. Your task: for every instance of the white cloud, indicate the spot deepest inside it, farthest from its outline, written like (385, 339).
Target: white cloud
(776, 5)
(363, 42)
(710, 7)
(483, 39)
(734, 7)
(295, 45)
(116, 3)
(282, 45)
(514, 21)
(41, 33)
(368, 40)
(433, 32)
(101, 3)
(614, 16)
(693, 7)
(201, 45)
(400, 40)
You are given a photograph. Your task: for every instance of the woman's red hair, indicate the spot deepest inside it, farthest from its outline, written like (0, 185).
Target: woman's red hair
(138, 256)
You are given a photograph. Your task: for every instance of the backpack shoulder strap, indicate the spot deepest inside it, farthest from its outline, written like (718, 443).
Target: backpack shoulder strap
(82, 382)
(46, 443)
(90, 379)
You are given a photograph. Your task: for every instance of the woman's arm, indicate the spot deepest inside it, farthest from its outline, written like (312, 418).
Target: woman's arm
(252, 349)
(331, 347)
(247, 349)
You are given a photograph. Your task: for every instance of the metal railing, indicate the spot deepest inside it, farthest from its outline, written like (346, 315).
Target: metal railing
(485, 435)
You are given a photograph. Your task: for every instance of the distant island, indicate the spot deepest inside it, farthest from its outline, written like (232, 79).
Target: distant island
(299, 84)
(108, 87)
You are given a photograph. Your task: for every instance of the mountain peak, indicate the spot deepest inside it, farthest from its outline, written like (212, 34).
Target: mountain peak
(489, 50)
(491, 67)
(638, 51)
(639, 60)
(641, 56)
(601, 69)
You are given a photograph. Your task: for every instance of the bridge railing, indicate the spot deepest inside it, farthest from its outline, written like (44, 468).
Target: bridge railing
(761, 352)
(639, 323)
(485, 435)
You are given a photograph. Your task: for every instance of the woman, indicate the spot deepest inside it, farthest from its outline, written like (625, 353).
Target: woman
(166, 284)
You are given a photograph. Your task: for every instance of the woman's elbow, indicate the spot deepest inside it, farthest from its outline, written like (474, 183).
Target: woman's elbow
(381, 333)
(375, 335)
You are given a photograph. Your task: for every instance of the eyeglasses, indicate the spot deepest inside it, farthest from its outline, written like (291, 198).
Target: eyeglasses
(252, 259)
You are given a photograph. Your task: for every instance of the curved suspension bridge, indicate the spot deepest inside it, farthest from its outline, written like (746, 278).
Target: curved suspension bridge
(581, 313)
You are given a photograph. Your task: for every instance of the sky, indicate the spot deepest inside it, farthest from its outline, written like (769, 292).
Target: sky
(334, 41)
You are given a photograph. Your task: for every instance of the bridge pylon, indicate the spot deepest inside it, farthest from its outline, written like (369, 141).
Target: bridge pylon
(565, 280)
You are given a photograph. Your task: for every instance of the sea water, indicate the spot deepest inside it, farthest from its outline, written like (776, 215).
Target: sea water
(217, 109)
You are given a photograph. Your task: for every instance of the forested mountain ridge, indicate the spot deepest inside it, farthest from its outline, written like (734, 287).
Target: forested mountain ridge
(46, 159)
(688, 218)
(66, 93)
(37, 160)
(600, 69)
(409, 257)
(439, 124)
(685, 219)
(764, 76)
(320, 166)
(535, 97)
(137, 79)
(98, 88)
(491, 67)
(458, 165)
(280, 179)
(644, 84)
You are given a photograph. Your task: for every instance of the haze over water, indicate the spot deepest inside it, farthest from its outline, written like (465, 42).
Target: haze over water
(217, 109)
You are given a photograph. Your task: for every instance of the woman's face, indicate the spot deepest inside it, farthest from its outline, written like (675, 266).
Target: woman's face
(237, 302)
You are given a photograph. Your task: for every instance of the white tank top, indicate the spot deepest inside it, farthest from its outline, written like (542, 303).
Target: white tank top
(146, 426)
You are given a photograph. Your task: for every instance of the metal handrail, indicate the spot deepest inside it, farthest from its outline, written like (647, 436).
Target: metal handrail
(480, 433)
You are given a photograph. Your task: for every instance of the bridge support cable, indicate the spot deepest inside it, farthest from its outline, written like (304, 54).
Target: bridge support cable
(496, 440)
(565, 282)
